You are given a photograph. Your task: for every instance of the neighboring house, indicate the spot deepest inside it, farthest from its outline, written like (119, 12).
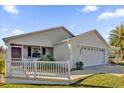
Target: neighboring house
(89, 47)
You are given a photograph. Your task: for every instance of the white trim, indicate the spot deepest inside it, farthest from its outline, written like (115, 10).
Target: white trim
(41, 51)
(16, 46)
(104, 56)
(92, 46)
(69, 62)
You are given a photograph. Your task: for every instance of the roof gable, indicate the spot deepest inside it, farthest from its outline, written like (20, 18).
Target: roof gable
(90, 32)
(86, 33)
(41, 31)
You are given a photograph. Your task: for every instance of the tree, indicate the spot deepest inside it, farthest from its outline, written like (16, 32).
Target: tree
(1, 49)
(2, 59)
(116, 38)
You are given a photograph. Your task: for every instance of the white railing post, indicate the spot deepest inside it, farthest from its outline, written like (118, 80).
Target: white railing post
(9, 66)
(69, 70)
(35, 69)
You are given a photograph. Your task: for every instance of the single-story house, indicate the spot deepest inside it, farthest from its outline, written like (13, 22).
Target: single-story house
(89, 47)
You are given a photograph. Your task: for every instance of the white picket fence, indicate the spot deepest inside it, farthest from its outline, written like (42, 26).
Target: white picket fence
(38, 68)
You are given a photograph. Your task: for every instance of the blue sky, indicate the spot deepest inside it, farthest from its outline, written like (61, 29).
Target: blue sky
(77, 19)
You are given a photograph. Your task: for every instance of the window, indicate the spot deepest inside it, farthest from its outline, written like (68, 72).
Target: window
(88, 48)
(35, 52)
(29, 51)
(44, 51)
(16, 52)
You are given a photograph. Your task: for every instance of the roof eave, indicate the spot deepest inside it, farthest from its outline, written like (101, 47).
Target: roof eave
(11, 37)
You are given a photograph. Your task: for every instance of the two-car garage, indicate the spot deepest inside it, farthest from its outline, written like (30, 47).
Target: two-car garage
(90, 48)
(91, 56)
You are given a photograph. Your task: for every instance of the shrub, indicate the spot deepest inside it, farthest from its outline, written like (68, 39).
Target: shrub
(47, 57)
(2, 62)
(116, 63)
(79, 65)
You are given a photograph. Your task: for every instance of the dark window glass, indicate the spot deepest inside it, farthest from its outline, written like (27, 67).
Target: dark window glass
(36, 52)
(44, 51)
(16, 52)
(29, 51)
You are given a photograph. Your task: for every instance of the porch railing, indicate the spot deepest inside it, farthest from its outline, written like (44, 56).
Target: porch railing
(36, 69)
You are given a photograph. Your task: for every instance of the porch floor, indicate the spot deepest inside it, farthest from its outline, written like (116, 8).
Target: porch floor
(66, 81)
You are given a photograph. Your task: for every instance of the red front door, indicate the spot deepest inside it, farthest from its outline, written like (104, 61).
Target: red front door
(16, 53)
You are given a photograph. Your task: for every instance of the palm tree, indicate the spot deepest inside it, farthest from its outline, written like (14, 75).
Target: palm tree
(116, 38)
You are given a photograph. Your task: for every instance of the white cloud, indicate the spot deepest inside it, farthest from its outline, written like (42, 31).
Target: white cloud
(17, 32)
(90, 8)
(73, 25)
(4, 29)
(108, 15)
(10, 9)
(110, 29)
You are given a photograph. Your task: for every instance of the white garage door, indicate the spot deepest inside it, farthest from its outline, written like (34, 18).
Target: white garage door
(91, 56)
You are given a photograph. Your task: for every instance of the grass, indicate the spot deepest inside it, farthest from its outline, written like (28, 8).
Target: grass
(103, 80)
(39, 86)
(98, 80)
(32, 86)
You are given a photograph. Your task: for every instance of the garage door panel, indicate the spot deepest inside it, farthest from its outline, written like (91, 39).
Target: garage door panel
(92, 56)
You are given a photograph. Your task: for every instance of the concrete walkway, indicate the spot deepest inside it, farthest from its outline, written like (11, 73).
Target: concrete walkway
(116, 69)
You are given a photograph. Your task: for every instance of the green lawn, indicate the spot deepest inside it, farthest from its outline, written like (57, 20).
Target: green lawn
(33, 86)
(99, 80)
(103, 80)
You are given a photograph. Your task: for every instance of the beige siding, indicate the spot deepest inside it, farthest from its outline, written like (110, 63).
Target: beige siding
(49, 51)
(25, 51)
(62, 52)
(86, 40)
(47, 38)
(8, 52)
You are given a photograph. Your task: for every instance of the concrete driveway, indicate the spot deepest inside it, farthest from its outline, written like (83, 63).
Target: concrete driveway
(117, 69)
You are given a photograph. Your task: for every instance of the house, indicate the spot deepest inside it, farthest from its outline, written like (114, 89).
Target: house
(89, 47)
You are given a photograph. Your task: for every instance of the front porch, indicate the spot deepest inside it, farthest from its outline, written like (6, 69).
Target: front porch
(41, 72)
(26, 63)
(29, 52)
(52, 72)
(38, 72)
